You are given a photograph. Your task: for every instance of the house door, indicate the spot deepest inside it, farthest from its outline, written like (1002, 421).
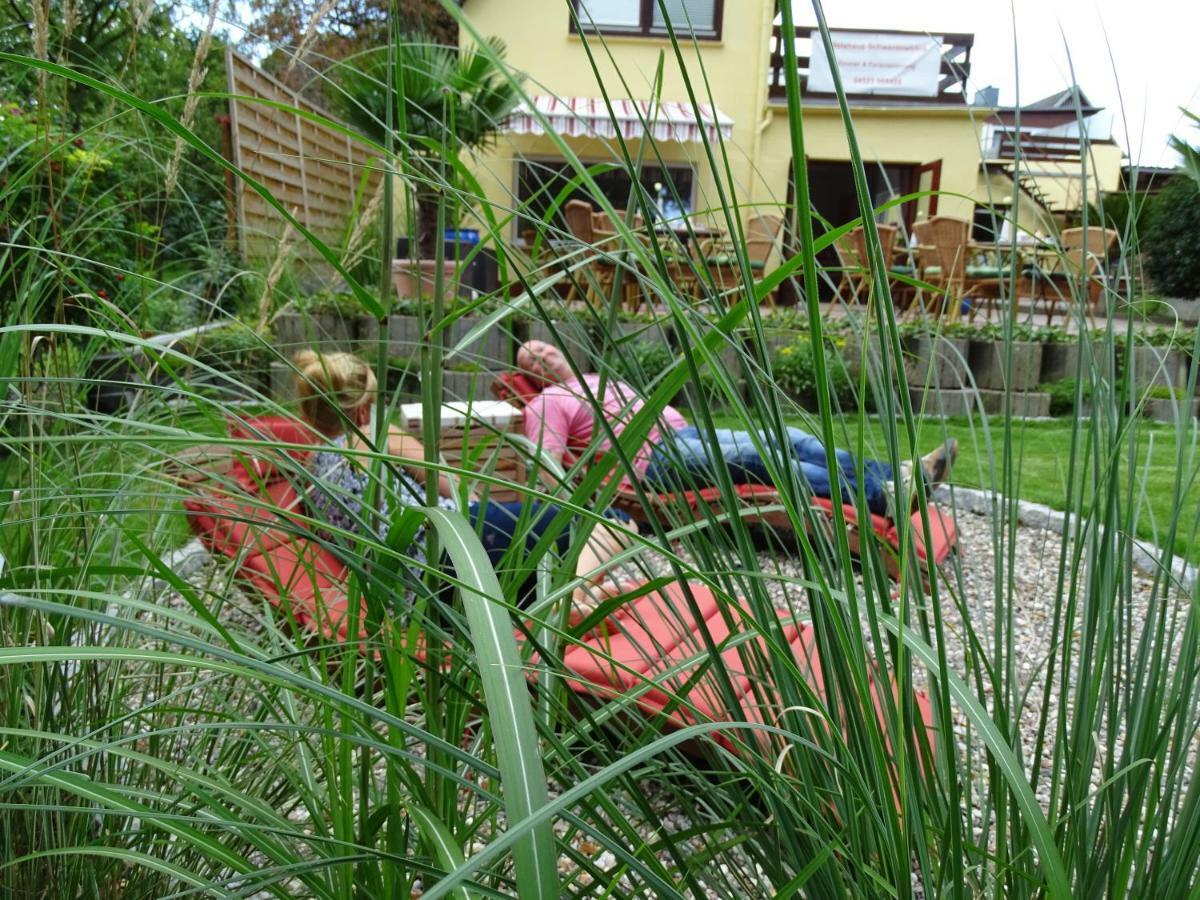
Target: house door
(926, 179)
(835, 198)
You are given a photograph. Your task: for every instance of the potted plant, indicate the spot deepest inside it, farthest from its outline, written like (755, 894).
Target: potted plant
(936, 354)
(447, 101)
(997, 364)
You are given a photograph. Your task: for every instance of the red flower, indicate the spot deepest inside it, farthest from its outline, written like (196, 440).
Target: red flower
(102, 294)
(120, 277)
(78, 142)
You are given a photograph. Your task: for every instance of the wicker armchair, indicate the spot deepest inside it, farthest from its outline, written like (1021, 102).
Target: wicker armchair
(1082, 258)
(598, 275)
(943, 248)
(720, 257)
(852, 254)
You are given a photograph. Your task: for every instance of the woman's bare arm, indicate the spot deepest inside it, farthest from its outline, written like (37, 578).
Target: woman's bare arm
(405, 446)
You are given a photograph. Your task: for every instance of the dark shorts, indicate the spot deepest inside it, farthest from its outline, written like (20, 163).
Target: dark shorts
(497, 524)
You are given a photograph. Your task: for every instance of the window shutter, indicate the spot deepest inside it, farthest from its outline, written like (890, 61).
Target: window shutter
(610, 13)
(701, 14)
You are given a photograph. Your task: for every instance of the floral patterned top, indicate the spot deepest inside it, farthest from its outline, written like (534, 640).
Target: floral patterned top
(339, 494)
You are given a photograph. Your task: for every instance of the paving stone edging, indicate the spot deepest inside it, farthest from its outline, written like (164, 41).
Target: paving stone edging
(1147, 558)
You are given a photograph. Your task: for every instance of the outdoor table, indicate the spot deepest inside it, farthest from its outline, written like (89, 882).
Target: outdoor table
(473, 437)
(683, 229)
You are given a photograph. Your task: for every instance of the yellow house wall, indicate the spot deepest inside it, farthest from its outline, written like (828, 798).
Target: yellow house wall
(540, 44)
(555, 61)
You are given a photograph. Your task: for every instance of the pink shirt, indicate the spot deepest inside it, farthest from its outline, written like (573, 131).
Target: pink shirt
(560, 418)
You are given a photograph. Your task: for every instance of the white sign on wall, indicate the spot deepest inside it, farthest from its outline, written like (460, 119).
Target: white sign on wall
(878, 63)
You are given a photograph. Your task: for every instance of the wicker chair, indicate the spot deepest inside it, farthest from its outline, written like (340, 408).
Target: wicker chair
(599, 273)
(1083, 257)
(943, 247)
(852, 253)
(720, 257)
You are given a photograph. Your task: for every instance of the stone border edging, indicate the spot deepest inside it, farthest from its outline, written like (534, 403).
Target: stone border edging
(1146, 556)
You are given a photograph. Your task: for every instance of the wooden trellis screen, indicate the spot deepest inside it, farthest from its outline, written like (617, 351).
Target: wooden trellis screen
(314, 171)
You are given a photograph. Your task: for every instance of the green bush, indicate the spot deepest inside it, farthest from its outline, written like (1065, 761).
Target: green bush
(1062, 395)
(1171, 259)
(794, 366)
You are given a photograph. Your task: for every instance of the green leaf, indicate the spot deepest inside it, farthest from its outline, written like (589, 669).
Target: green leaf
(506, 695)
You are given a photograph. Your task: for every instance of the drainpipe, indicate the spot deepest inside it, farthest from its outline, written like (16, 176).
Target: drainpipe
(766, 14)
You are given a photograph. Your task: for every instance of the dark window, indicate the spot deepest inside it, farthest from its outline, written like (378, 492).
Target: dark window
(645, 17)
(539, 184)
(986, 225)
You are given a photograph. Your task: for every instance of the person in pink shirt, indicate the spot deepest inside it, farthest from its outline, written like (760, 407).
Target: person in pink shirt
(561, 420)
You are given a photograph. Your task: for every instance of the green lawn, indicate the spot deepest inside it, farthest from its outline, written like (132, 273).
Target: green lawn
(1042, 450)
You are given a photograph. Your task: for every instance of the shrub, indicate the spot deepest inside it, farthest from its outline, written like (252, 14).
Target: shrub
(1062, 395)
(795, 371)
(1171, 261)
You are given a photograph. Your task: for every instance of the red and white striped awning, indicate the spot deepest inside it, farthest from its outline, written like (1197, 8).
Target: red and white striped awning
(665, 120)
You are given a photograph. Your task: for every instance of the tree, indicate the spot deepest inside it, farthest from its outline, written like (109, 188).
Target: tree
(447, 101)
(94, 36)
(1170, 242)
(312, 36)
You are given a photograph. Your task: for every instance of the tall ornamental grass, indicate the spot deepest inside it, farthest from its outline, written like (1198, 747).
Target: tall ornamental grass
(166, 733)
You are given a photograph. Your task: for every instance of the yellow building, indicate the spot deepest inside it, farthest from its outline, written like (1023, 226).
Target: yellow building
(914, 126)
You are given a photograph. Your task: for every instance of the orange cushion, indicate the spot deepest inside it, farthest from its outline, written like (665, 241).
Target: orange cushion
(307, 582)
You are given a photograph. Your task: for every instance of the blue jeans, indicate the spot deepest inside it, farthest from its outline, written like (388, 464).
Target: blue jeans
(497, 524)
(686, 453)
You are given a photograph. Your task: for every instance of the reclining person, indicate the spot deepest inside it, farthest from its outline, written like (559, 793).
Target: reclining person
(337, 394)
(561, 418)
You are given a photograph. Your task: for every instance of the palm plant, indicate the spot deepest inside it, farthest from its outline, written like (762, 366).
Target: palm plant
(1190, 164)
(443, 100)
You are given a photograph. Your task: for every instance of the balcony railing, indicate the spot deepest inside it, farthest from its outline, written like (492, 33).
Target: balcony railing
(1000, 142)
(956, 66)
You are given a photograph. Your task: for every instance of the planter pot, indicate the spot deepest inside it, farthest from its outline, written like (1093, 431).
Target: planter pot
(655, 334)
(1164, 410)
(417, 279)
(988, 365)
(936, 361)
(366, 333)
(404, 336)
(326, 332)
(493, 349)
(1159, 367)
(1059, 361)
(1025, 405)
(115, 380)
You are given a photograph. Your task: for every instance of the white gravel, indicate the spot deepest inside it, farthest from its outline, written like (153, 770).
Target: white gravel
(970, 588)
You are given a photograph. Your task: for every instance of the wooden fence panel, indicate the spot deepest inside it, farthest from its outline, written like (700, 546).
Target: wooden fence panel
(313, 170)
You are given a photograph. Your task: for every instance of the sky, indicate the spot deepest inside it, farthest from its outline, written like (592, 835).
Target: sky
(1136, 58)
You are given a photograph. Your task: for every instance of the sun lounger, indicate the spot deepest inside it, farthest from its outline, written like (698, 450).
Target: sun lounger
(652, 649)
(764, 504)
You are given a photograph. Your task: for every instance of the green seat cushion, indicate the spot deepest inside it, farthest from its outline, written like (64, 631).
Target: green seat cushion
(728, 259)
(984, 271)
(933, 270)
(902, 270)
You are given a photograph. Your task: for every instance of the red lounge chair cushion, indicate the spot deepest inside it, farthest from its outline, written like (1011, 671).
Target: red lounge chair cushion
(285, 429)
(658, 634)
(232, 524)
(307, 582)
(515, 387)
(941, 525)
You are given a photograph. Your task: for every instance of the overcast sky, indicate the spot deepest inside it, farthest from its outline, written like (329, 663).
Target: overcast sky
(1138, 58)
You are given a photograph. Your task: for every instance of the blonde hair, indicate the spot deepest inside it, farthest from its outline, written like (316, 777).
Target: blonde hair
(332, 387)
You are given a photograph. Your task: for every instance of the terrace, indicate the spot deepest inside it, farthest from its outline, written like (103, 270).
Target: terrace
(435, 468)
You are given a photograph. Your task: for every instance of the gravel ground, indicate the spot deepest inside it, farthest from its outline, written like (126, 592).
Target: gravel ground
(970, 586)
